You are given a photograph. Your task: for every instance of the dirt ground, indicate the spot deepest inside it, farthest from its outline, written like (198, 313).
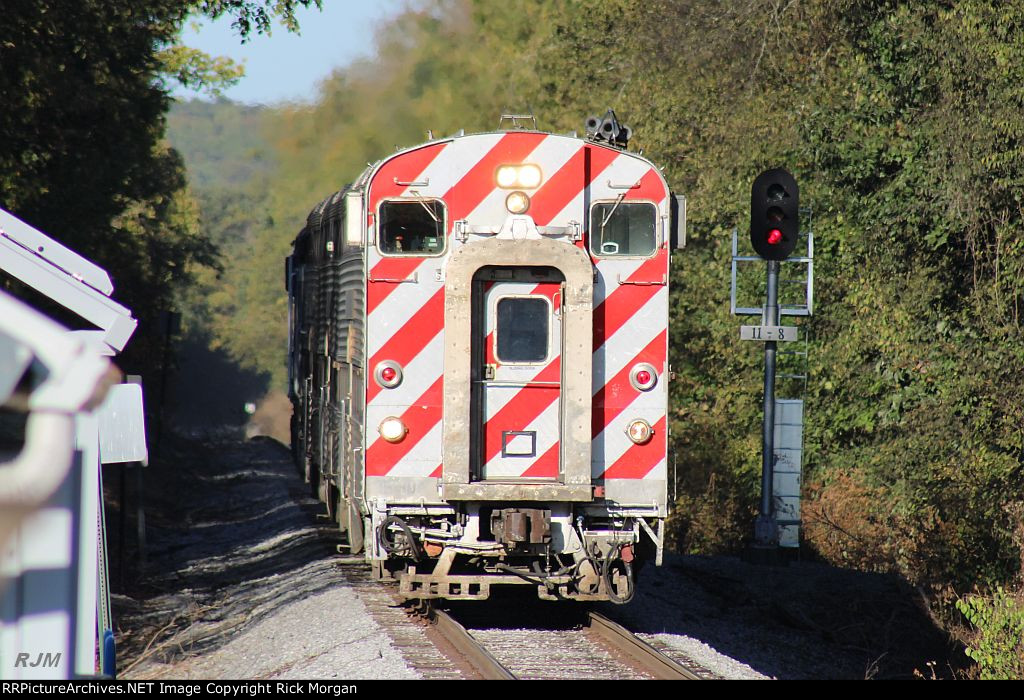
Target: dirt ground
(272, 418)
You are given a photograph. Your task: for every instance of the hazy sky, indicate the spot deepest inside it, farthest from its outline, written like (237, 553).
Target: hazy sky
(288, 66)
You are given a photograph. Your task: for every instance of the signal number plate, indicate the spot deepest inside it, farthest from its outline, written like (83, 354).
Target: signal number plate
(780, 333)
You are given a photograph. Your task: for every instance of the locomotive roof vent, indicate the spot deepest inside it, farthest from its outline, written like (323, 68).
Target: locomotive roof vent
(608, 129)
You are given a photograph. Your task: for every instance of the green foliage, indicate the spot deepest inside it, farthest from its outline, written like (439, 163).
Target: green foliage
(257, 16)
(82, 154)
(223, 144)
(922, 318)
(998, 646)
(197, 70)
(81, 118)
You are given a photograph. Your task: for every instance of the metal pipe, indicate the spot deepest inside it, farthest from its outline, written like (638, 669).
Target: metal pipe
(764, 533)
(28, 480)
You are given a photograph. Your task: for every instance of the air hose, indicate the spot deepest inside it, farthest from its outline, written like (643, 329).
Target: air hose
(615, 555)
(391, 545)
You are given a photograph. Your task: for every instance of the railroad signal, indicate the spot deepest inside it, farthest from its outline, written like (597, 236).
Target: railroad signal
(774, 214)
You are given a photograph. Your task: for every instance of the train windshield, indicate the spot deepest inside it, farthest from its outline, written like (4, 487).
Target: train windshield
(623, 228)
(412, 227)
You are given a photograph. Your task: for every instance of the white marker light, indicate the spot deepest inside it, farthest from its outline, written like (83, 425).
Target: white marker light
(640, 431)
(392, 429)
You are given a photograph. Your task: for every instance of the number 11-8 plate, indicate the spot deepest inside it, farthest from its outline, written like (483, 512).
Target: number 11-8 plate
(779, 333)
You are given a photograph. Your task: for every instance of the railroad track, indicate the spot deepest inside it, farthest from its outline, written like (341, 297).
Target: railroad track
(572, 643)
(416, 642)
(659, 665)
(600, 648)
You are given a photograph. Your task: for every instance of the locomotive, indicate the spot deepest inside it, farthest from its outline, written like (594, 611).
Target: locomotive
(478, 361)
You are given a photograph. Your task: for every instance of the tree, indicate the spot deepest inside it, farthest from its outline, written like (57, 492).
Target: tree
(82, 155)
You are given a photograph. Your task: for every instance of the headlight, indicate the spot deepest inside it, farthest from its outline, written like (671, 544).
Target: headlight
(506, 176)
(528, 176)
(517, 203)
(392, 429)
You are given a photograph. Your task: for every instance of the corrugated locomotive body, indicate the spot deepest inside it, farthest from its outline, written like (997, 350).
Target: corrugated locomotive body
(478, 364)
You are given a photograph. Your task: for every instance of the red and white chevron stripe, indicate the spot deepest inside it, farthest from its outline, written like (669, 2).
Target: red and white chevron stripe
(405, 302)
(629, 328)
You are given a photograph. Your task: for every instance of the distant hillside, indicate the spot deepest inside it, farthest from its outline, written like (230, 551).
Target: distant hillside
(222, 142)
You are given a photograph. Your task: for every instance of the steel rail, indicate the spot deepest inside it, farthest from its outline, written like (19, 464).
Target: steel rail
(481, 659)
(649, 658)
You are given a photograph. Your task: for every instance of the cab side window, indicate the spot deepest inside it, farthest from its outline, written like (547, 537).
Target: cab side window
(412, 227)
(623, 228)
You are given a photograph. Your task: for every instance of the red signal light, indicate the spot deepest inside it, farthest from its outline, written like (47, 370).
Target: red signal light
(388, 374)
(643, 377)
(774, 236)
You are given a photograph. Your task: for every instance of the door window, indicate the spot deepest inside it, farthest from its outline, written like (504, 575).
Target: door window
(522, 329)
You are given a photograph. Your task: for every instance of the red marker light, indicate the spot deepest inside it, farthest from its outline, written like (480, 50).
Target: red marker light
(643, 376)
(774, 236)
(388, 374)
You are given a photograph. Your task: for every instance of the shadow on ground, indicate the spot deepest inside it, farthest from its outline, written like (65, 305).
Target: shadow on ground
(232, 535)
(804, 620)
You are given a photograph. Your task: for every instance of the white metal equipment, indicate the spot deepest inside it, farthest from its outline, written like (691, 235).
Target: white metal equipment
(52, 573)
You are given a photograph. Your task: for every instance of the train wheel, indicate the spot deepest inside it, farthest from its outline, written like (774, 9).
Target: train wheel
(354, 527)
(313, 477)
(335, 506)
(422, 607)
(293, 435)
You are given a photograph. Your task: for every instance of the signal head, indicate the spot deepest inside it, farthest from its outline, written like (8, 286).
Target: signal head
(774, 214)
